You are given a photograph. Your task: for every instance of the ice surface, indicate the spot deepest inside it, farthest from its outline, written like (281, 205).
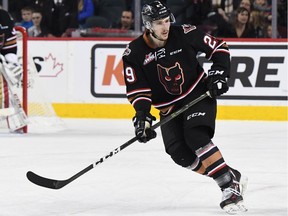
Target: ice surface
(141, 180)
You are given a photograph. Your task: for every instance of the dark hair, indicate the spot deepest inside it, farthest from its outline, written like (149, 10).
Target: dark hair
(27, 8)
(242, 9)
(129, 10)
(43, 24)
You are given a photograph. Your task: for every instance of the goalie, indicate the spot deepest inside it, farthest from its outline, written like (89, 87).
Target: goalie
(10, 75)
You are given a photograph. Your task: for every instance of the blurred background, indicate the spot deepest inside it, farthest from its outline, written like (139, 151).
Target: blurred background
(74, 18)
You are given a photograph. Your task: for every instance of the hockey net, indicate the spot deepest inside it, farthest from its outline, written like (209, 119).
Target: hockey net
(41, 114)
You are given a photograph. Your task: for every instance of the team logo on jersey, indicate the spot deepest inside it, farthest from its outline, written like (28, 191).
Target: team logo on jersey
(127, 51)
(171, 78)
(149, 58)
(154, 56)
(187, 28)
(161, 53)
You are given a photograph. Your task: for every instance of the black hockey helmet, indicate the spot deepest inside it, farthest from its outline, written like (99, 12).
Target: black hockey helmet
(155, 10)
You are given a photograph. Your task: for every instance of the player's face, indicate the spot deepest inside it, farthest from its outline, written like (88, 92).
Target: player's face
(161, 28)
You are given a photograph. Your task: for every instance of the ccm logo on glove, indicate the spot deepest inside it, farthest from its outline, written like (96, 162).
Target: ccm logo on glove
(216, 72)
(216, 83)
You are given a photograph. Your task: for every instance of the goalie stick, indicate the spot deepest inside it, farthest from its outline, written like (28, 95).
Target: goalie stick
(57, 184)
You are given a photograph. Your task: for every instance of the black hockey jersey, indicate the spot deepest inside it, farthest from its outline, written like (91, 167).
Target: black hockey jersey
(165, 75)
(8, 42)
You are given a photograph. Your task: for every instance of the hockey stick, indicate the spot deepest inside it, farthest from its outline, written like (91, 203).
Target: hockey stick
(57, 184)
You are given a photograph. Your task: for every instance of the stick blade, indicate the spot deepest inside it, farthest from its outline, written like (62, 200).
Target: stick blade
(44, 182)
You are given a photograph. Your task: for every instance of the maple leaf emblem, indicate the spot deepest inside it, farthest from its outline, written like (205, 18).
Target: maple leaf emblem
(52, 67)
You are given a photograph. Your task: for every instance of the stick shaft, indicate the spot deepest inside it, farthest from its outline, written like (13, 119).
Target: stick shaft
(57, 184)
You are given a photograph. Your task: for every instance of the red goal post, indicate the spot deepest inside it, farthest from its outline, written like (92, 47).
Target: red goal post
(32, 93)
(24, 51)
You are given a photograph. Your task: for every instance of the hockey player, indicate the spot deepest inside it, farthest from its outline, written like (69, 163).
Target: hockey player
(161, 69)
(12, 69)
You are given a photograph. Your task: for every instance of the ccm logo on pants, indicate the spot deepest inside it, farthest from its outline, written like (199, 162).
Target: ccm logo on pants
(195, 115)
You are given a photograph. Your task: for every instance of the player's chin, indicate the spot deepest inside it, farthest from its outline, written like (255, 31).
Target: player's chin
(164, 36)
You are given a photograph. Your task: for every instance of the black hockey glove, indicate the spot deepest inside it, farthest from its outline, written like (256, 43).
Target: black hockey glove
(142, 123)
(216, 85)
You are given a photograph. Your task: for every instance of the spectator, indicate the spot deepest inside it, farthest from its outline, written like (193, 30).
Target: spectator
(220, 15)
(223, 8)
(243, 3)
(264, 8)
(38, 29)
(240, 27)
(64, 13)
(61, 14)
(268, 31)
(258, 22)
(15, 7)
(189, 11)
(85, 10)
(126, 21)
(282, 18)
(26, 14)
(246, 4)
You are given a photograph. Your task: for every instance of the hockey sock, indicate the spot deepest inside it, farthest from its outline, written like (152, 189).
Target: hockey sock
(198, 167)
(214, 163)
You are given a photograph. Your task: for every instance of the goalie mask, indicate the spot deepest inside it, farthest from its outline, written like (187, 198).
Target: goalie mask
(155, 11)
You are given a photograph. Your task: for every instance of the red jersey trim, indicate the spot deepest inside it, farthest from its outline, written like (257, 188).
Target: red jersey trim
(140, 99)
(137, 91)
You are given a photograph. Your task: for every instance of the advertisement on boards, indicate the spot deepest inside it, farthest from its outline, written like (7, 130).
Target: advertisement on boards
(88, 76)
(258, 72)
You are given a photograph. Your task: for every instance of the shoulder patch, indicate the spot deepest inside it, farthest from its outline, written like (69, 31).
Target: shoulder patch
(188, 28)
(127, 51)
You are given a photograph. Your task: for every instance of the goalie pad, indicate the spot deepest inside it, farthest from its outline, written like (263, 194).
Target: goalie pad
(14, 73)
(7, 111)
(17, 121)
(13, 69)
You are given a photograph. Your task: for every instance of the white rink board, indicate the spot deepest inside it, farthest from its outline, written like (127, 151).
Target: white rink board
(78, 71)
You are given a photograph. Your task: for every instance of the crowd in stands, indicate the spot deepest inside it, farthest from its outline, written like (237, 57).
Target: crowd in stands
(221, 18)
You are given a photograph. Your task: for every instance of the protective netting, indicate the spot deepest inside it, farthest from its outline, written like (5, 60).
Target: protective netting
(41, 114)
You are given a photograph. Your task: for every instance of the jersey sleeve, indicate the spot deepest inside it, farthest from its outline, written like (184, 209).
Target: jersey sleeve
(215, 49)
(10, 43)
(138, 91)
(8, 34)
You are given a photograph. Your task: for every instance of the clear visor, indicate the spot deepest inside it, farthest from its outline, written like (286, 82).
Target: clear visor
(148, 24)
